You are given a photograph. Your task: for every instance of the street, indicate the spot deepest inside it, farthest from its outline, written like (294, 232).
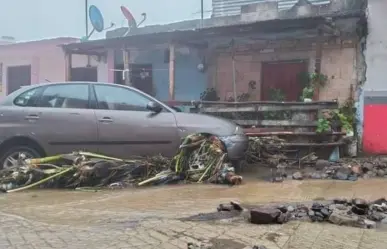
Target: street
(150, 218)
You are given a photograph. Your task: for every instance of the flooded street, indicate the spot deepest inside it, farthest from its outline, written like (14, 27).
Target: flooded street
(149, 218)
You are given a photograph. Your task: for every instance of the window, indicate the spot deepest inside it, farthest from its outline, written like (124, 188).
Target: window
(119, 98)
(65, 96)
(27, 98)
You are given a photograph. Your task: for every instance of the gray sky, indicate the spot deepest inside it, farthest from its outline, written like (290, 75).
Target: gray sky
(38, 19)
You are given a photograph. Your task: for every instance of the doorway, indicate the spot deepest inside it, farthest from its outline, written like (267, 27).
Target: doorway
(140, 77)
(89, 74)
(282, 78)
(18, 76)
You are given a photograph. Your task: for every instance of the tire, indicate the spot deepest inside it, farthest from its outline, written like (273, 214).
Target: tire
(18, 149)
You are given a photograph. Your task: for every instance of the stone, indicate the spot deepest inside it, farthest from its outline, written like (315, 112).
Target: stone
(298, 176)
(338, 206)
(371, 174)
(359, 211)
(225, 207)
(283, 208)
(316, 207)
(259, 247)
(278, 179)
(380, 173)
(236, 205)
(342, 174)
(321, 164)
(291, 209)
(384, 221)
(369, 224)
(361, 203)
(264, 215)
(311, 213)
(316, 175)
(325, 212)
(341, 218)
(367, 167)
(283, 218)
(357, 170)
(376, 216)
(352, 178)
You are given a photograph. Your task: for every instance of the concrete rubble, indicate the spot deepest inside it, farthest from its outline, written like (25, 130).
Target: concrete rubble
(344, 212)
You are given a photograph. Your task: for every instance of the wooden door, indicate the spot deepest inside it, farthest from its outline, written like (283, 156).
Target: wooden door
(17, 77)
(284, 76)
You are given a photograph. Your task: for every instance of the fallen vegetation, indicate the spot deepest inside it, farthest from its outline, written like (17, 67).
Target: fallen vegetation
(201, 158)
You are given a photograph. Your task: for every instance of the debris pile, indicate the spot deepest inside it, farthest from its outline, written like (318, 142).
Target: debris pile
(346, 169)
(271, 151)
(201, 158)
(356, 212)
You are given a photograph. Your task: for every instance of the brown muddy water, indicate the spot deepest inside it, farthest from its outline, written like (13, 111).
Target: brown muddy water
(78, 207)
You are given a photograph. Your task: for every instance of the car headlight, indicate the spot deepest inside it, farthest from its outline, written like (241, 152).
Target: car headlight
(239, 130)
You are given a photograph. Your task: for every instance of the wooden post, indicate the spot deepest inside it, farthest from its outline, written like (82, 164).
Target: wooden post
(68, 65)
(126, 72)
(171, 72)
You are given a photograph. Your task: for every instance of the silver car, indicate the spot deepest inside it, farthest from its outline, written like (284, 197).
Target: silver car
(115, 120)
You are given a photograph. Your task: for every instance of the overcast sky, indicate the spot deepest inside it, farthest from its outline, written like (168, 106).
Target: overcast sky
(39, 19)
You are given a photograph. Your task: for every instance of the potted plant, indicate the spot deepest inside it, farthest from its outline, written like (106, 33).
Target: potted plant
(323, 129)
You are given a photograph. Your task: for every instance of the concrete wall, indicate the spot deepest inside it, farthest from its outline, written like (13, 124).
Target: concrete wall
(189, 82)
(338, 63)
(375, 86)
(46, 59)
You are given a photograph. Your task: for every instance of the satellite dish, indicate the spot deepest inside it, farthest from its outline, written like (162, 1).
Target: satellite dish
(129, 17)
(96, 18)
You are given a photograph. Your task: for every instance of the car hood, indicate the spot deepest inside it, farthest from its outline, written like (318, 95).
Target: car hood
(201, 123)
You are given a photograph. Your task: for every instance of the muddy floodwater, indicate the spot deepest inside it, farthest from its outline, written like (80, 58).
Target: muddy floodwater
(84, 207)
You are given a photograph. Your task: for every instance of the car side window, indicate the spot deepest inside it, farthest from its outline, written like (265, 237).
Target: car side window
(65, 96)
(119, 98)
(27, 98)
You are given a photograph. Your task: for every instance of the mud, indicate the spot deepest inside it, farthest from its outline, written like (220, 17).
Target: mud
(77, 208)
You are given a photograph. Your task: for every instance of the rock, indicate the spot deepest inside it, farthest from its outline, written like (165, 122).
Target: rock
(311, 213)
(352, 178)
(298, 176)
(369, 224)
(236, 205)
(283, 208)
(325, 212)
(380, 201)
(367, 167)
(340, 201)
(371, 174)
(278, 179)
(264, 215)
(384, 221)
(341, 218)
(316, 207)
(376, 216)
(291, 209)
(359, 211)
(341, 174)
(338, 206)
(357, 170)
(380, 173)
(283, 218)
(316, 175)
(321, 164)
(361, 203)
(259, 247)
(225, 207)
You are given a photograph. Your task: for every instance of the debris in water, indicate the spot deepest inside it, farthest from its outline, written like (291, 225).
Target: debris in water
(201, 158)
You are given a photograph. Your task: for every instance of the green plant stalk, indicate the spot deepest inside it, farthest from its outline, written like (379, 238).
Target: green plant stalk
(42, 181)
(89, 154)
(43, 159)
(206, 171)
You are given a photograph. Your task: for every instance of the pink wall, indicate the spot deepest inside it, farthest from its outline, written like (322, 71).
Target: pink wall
(47, 61)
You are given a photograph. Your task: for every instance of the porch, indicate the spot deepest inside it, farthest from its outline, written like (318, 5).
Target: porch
(272, 59)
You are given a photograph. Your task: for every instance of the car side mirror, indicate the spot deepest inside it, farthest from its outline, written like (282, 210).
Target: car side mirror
(154, 107)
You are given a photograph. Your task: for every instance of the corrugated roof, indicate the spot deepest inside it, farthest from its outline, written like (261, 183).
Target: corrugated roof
(233, 7)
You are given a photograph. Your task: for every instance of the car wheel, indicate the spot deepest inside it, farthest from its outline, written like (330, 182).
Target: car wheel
(10, 157)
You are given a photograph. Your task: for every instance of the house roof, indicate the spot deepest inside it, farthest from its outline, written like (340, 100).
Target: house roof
(200, 29)
(233, 7)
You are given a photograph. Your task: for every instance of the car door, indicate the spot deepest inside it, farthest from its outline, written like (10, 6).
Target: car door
(126, 128)
(62, 120)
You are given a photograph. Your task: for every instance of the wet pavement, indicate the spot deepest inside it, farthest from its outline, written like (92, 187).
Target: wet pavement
(151, 218)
